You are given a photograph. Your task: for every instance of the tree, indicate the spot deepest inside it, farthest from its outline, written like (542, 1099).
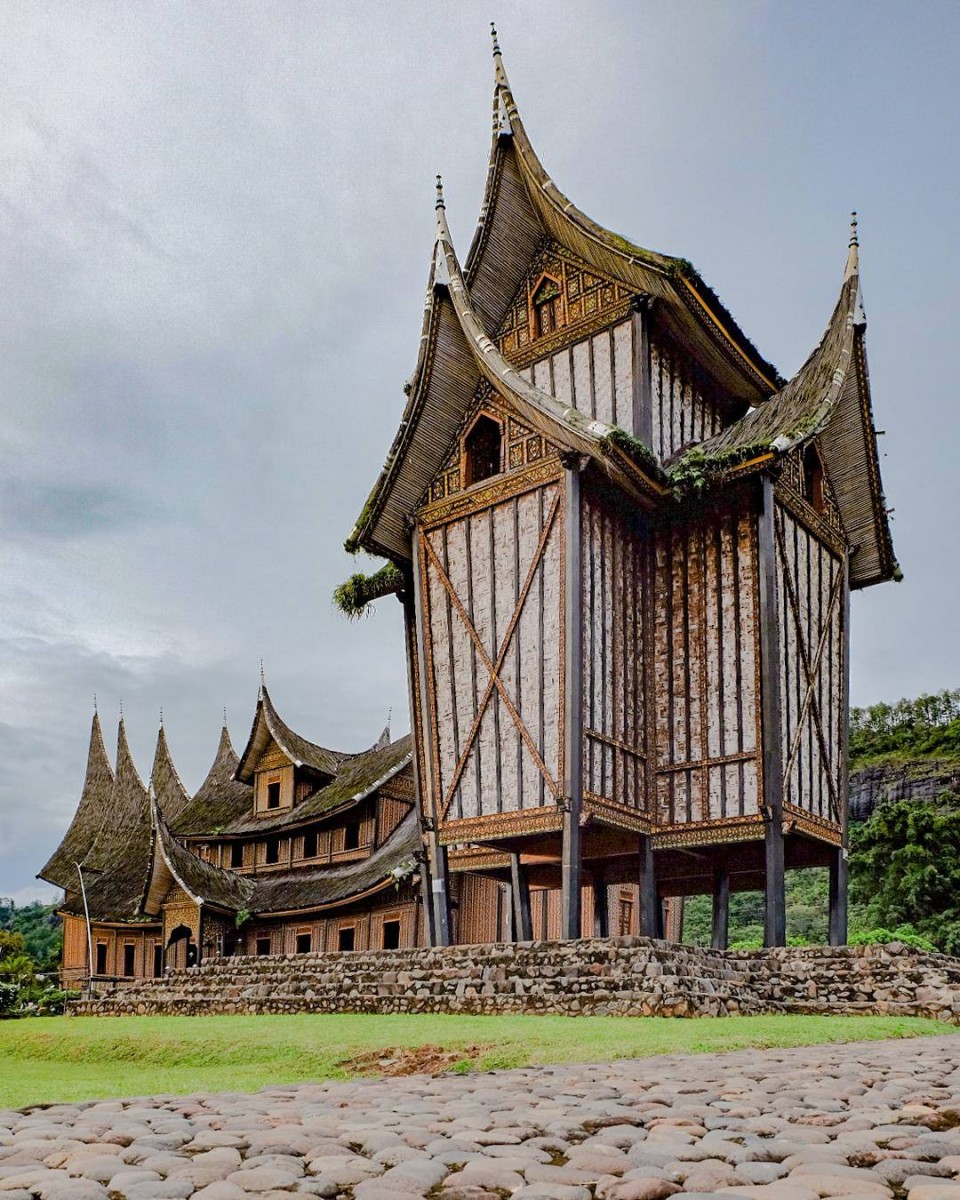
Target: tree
(905, 868)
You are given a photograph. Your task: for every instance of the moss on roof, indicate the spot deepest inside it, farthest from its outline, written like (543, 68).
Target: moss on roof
(221, 800)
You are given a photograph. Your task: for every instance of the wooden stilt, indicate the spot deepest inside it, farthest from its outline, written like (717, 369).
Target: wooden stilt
(838, 898)
(426, 901)
(601, 919)
(520, 891)
(775, 916)
(572, 701)
(651, 913)
(436, 854)
(720, 933)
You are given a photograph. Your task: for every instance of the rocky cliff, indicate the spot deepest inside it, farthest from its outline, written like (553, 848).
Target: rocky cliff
(919, 779)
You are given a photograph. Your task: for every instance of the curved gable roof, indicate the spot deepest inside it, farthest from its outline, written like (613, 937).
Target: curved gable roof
(269, 726)
(60, 868)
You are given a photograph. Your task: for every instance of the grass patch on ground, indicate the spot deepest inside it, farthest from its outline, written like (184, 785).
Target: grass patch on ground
(55, 1059)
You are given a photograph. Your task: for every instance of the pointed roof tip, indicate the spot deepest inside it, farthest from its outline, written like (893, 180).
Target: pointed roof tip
(496, 41)
(439, 203)
(853, 250)
(499, 73)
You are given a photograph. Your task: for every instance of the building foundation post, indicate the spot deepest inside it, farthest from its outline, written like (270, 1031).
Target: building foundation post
(775, 906)
(520, 893)
(651, 910)
(720, 932)
(572, 700)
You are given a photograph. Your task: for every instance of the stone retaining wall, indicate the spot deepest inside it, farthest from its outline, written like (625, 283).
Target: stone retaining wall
(627, 976)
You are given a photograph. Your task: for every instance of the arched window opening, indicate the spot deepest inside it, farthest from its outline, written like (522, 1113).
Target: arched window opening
(813, 478)
(546, 307)
(482, 451)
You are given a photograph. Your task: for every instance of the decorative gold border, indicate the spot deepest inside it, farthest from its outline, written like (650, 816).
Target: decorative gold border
(619, 816)
(810, 519)
(497, 826)
(812, 825)
(473, 500)
(711, 833)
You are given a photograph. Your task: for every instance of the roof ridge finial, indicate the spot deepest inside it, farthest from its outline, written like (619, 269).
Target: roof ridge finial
(224, 716)
(853, 249)
(496, 41)
(95, 709)
(161, 716)
(121, 710)
(440, 203)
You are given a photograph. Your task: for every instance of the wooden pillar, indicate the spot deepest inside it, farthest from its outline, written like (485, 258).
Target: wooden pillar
(720, 932)
(520, 892)
(775, 916)
(838, 863)
(572, 699)
(601, 916)
(436, 854)
(651, 912)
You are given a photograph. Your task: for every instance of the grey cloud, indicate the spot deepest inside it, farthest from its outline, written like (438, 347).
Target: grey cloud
(50, 510)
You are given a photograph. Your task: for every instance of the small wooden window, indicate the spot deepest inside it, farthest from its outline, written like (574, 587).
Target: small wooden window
(310, 844)
(101, 958)
(157, 960)
(273, 794)
(346, 937)
(272, 852)
(482, 451)
(626, 915)
(304, 943)
(263, 946)
(236, 854)
(546, 307)
(129, 958)
(813, 478)
(391, 935)
(351, 836)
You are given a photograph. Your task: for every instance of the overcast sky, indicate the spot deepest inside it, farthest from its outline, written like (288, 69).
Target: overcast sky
(215, 229)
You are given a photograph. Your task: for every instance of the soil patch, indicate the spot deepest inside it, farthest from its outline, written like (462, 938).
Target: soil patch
(415, 1060)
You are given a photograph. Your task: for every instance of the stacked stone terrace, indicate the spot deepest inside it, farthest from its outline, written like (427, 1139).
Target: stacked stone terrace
(627, 976)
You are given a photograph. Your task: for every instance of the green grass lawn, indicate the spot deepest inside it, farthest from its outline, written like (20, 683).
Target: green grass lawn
(46, 1060)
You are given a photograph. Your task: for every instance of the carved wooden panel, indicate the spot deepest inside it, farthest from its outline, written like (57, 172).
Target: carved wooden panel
(706, 671)
(579, 299)
(491, 590)
(810, 603)
(523, 447)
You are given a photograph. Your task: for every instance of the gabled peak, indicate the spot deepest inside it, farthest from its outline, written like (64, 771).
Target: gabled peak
(269, 726)
(501, 117)
(95, 798)
(165, 782)
(127, 773)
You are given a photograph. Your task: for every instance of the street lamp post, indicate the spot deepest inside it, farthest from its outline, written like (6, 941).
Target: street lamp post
(86, 913)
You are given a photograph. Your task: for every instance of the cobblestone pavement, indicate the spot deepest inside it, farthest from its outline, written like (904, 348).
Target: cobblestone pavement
(865, 1121)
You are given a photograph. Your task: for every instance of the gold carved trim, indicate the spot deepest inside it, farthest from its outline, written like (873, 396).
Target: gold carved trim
(501, 487)
(620, 816)
(798, 820)
(711, 833)
(500, 825)
(810, 519)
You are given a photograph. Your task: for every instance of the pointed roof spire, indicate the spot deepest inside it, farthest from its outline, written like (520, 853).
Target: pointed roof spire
(440, 202)
(496, 43)
(853, 252)
(167, 786)
(94, 804)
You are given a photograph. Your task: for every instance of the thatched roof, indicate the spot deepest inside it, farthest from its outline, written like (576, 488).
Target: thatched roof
(359, 777)
(221, 799)
(829, 398)
(269, 726)
(205, 883)
(321, 887)
(116, 865)
(172, 796)
(60, 869)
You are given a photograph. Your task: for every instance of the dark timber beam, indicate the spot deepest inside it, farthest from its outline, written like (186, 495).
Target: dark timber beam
(720, 933)
(520, 891)
(601, 916)
(838, 864)
(572, 697)
(413, 683)
(436, 854)
(775, 914)
(651, 910)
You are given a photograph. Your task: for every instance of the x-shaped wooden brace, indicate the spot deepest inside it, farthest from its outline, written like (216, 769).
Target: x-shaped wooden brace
(494, 667)
(810, 670)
